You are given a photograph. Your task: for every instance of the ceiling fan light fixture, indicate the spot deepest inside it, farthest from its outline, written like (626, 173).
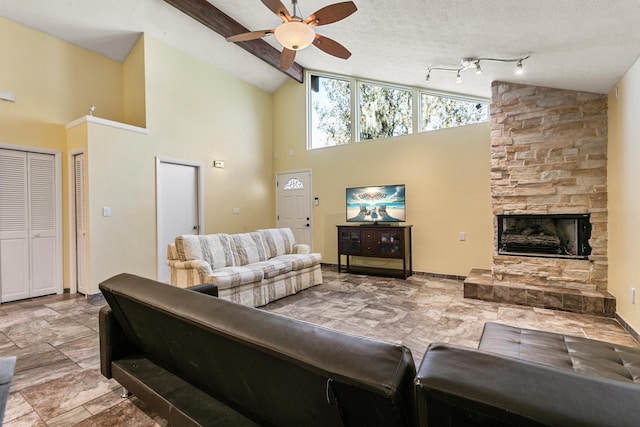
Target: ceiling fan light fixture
(294, 35)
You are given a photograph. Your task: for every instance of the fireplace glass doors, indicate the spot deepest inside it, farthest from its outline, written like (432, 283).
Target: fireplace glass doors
(559, 236)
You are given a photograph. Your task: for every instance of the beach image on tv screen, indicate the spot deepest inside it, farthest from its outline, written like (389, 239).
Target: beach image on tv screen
(376, 204)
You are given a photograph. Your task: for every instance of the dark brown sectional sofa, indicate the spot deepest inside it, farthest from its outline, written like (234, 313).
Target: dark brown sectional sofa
(199, 360)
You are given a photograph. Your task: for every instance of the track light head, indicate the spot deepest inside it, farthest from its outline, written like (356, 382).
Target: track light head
(474, 63)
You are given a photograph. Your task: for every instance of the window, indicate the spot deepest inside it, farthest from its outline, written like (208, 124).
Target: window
(438, 112)
(293, 184)
(338, 115)
(331, 112)
(384, 111)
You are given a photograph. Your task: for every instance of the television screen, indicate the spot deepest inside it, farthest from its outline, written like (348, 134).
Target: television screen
(376, 204)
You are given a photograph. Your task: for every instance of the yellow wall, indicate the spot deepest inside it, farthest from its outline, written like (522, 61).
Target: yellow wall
(134, 89)
(194, 113)
(624, 203)
(447, 174)
(54, 83)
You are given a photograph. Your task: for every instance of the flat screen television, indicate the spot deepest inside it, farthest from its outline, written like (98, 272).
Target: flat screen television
(385, 203)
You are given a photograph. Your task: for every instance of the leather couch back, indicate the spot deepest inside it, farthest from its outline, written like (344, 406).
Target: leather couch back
(277, 370)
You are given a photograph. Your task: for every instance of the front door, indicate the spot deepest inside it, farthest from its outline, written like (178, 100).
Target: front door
(293, 209)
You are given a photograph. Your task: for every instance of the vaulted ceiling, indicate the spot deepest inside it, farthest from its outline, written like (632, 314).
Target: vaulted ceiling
(575, 44)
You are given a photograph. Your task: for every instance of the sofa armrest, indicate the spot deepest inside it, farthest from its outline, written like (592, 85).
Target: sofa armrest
(113, 342)
(205, 288)
(301, 248)
(203, 267)
(462, 386)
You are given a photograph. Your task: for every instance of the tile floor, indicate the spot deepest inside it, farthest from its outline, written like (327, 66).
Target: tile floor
(58, 382)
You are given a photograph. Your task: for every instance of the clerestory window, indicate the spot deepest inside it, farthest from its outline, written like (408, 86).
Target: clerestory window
(344, 110)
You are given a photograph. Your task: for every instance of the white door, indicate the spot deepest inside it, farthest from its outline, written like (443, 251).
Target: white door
(28, 220)
(80, 191)
(42, 222)
(14, 230)
(293, 209)
(178, 193)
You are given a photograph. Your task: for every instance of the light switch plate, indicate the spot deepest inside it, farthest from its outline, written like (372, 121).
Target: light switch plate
(106, 211)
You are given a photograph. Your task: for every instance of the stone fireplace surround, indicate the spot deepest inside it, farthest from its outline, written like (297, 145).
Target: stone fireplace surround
(548, 156)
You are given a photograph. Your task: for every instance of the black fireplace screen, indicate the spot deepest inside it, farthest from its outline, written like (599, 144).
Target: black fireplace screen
(563, 236)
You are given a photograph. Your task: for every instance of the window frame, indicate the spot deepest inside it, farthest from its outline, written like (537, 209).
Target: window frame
(354, 84)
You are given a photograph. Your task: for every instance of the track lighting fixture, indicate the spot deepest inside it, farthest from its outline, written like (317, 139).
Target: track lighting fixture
(474, 63)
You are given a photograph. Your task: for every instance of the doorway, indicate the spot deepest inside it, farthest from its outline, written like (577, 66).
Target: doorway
(293, 204)
(179, 205)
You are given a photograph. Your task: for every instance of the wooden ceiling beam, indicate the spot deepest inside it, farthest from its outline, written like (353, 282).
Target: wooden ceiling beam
(216, 20)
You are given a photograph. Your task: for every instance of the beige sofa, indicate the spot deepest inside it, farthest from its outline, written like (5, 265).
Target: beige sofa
(248, 268)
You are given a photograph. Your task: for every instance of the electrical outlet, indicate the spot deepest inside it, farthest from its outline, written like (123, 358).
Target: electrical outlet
(236, 211)
(463, 236)
(106, 211)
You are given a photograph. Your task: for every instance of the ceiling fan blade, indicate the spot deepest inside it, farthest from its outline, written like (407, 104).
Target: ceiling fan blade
(278, 8)
(252, 35)
(286, 58)
(332, 13)
(331, 47)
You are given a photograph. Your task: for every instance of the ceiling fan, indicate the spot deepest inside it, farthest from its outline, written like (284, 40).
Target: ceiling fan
(296, 33)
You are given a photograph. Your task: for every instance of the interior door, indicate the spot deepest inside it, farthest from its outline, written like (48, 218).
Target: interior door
(42, 223)
(80, 191)
(178, 204)
(14, 230)
(294, 204)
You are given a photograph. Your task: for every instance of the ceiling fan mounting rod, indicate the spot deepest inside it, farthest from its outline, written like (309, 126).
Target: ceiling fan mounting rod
(294, 4)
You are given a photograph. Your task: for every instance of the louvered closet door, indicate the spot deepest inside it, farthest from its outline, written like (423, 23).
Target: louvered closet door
(81, 228)
(14, 233)
(42, 221)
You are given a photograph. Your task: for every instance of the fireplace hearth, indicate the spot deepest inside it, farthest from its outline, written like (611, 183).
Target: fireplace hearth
(551, 236)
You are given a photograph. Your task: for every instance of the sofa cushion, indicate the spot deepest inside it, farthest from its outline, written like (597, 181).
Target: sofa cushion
(577, 354)
(227, 277)
(216, 250)
(188, 247)
(300, 261)
(278, 241)
(248, 248)
(212, 248)
(273, 267)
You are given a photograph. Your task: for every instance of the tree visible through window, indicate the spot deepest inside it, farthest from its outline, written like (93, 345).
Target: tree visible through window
(331, 114)
(384, 111)
(439, 112)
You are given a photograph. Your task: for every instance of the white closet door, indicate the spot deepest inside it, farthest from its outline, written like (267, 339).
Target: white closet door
(81, 228)
(14, 233)
(42, 220)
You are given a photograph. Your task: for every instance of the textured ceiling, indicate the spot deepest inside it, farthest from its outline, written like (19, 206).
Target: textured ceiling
(583, 45)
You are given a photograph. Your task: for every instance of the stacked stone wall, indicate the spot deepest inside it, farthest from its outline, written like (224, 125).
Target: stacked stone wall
(549, 156)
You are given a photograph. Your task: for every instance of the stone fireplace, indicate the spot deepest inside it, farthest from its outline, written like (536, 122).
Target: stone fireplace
(549, 199)
(550, 236)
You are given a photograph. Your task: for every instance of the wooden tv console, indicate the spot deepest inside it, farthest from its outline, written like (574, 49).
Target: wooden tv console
(376, 241)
